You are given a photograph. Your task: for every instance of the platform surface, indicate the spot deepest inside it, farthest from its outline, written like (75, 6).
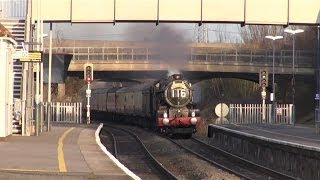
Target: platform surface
(64, 152)
(296, 135)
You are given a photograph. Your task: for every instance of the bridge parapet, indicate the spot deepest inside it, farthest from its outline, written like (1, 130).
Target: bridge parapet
(304, 59)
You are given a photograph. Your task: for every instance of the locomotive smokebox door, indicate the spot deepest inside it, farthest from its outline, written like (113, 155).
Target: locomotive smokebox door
(178, 93)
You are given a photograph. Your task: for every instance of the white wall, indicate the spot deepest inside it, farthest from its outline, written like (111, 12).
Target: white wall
(6, 84)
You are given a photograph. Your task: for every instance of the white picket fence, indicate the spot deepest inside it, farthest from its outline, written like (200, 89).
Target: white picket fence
(64, 112)
(252, 114)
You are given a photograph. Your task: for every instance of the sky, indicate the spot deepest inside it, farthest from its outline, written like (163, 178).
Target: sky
(141, 31)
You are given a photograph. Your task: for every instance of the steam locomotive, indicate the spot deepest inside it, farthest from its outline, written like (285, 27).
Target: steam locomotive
(164, 105)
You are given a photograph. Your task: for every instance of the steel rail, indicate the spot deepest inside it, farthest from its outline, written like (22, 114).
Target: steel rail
(157, 164)
(114, 144)
(234, 159)
(262, 169)
(243, 176)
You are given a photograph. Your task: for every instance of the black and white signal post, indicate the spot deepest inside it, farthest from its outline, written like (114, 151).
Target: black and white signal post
(263, 82)
(88, 77)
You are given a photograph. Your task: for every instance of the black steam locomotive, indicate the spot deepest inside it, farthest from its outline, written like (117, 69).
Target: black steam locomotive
(164, 105)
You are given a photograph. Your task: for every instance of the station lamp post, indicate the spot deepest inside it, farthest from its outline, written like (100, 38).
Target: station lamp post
(49, 79)
(293, 32)
(273, 95)
(318, 80)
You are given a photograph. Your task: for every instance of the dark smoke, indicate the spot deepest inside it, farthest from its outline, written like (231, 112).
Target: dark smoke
(168, 44)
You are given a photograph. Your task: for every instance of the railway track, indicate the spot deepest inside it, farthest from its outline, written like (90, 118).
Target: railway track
(222, 159)
(227, 161)
(177, 160)
(129, 150)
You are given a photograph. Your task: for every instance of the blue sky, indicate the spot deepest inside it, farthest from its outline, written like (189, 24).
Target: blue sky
(139, 31)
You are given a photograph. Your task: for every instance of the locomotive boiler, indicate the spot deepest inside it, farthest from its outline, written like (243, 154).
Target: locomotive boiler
(164, 105)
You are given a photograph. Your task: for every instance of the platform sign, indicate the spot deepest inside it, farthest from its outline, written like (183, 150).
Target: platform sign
(32, 56)
(20, 55)
(279, 111)
(221, 110)
(69, 109)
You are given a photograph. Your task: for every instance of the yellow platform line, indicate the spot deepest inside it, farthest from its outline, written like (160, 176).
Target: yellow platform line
(27, 170)
(62, 164)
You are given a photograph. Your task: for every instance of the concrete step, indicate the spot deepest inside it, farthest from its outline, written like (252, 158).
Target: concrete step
(15, 126)
(15, 122)
(16, 131)
(16, 28)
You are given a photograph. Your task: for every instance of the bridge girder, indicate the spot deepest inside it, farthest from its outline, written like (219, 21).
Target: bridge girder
(192, 76)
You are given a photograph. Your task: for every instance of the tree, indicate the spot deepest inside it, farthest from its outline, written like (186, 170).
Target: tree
(253, 36)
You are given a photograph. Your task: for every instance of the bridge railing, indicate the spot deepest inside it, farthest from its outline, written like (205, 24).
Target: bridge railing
(212, 55)
(13, 9)
(261, 56)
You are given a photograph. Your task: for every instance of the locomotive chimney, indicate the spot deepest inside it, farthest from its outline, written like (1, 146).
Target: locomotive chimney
(176, 76)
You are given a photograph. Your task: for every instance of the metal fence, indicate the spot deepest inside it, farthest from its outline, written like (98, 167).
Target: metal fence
(210, 55)
(13, 9)
(252, 114)
(64, 112)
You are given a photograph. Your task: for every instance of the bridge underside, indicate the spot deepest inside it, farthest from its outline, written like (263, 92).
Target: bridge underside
(141, 76)
(194, 71)
(192, 76)
(279, 12)
(141, 71)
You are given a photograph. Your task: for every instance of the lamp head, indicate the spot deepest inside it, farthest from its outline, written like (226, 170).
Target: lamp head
(293, 31)
(274, 37)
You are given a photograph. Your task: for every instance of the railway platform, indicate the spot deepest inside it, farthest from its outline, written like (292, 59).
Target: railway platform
(292, 150)
(304, 137)
(66, 152)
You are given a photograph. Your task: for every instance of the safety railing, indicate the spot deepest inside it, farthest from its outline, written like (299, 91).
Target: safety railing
(13, 9)
(210, 55)
(252, 114)
(64, 112)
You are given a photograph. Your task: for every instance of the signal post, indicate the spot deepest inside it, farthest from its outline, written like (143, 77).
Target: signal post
(263, 82)
(88, 77)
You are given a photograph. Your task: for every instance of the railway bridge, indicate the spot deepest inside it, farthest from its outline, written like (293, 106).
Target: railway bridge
(138, 63)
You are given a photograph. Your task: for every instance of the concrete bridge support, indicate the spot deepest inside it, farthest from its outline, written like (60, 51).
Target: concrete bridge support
(61, 90)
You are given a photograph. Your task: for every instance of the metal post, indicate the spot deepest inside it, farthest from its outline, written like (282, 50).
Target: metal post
(318, 76)
(37, 98)
(273, 94)
(88, 93)
(49, 78)
(41, 71)
(293, 82)
(273, 88)
(263, 94)
(293, 32)
(27, 80)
